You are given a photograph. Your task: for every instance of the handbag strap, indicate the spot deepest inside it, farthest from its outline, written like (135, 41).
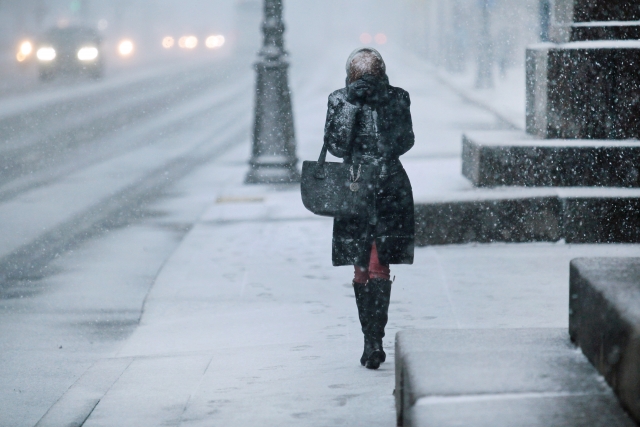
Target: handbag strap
(320, 174)
(323, 155)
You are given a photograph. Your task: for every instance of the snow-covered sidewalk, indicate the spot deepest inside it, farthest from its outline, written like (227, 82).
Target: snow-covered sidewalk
(506, 99)
(248, 322)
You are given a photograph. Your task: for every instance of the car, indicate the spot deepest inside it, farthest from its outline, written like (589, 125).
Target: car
(70, 50)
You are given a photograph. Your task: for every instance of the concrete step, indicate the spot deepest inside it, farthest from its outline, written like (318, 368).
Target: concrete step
(514, 158)
(605, 30)
(583, 90)
(499, 377)
(577, 215)
(604, 320)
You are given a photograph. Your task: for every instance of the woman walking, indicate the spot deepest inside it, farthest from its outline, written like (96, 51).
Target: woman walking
(369, 123)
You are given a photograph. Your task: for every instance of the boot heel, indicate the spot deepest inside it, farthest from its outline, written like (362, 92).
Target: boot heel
(374, 360)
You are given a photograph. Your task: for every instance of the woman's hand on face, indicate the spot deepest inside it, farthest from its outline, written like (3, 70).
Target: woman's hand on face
(357, 91)
(363, 90)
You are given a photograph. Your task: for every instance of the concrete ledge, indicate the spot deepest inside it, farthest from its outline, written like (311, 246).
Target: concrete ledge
(512, 158)
(584, 90)
(604, 320)
(499, 377)
(597, 31)
(534, 219)
(575, 215)
(601, 219)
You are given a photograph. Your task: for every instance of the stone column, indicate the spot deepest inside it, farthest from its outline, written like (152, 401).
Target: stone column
(586, 85)
(545, 19)
(273, 158)
(484, 78)
(584, 20)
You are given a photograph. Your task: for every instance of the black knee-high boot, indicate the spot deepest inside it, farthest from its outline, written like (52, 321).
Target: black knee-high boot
(372, 300)
(362, 301)
(379, 296)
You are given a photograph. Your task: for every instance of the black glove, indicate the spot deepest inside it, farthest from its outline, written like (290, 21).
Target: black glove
(364, 90)
(357, 92)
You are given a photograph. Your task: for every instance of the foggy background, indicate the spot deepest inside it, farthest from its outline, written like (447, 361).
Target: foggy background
(446, 32)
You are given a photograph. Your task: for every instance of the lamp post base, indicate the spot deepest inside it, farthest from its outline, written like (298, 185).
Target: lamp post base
(264, 171)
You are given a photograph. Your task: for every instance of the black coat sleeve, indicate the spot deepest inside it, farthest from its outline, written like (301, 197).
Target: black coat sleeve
(339, 126)
(400, 137)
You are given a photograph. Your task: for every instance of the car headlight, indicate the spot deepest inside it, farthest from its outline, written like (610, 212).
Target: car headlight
(188, 42)
(214, 42)
(25, 50)
(46, 54)
(87, 53)
(168, 42)
(125, 48)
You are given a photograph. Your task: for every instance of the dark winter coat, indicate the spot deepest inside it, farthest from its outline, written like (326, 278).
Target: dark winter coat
(376, 135)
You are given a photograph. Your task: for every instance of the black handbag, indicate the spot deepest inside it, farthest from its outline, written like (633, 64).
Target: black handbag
(336, 189)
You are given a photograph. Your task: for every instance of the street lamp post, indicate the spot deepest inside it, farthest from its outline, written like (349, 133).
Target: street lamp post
(273, 158)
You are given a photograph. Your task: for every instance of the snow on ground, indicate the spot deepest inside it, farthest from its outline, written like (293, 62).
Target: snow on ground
(56, 323)
(507, 99)
(247, 321)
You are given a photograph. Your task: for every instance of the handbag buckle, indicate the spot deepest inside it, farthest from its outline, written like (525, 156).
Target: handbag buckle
(354, 186)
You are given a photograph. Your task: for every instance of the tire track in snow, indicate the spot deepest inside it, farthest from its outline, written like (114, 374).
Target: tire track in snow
(126, 206)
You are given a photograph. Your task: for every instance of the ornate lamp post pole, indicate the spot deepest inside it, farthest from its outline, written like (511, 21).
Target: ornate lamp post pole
(273, 159)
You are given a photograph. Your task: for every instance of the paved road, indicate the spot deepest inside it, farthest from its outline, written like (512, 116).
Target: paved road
(87, 161)
(152, 129)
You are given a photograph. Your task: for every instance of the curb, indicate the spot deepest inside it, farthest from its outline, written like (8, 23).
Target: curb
(604, 321)
(491, 159)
